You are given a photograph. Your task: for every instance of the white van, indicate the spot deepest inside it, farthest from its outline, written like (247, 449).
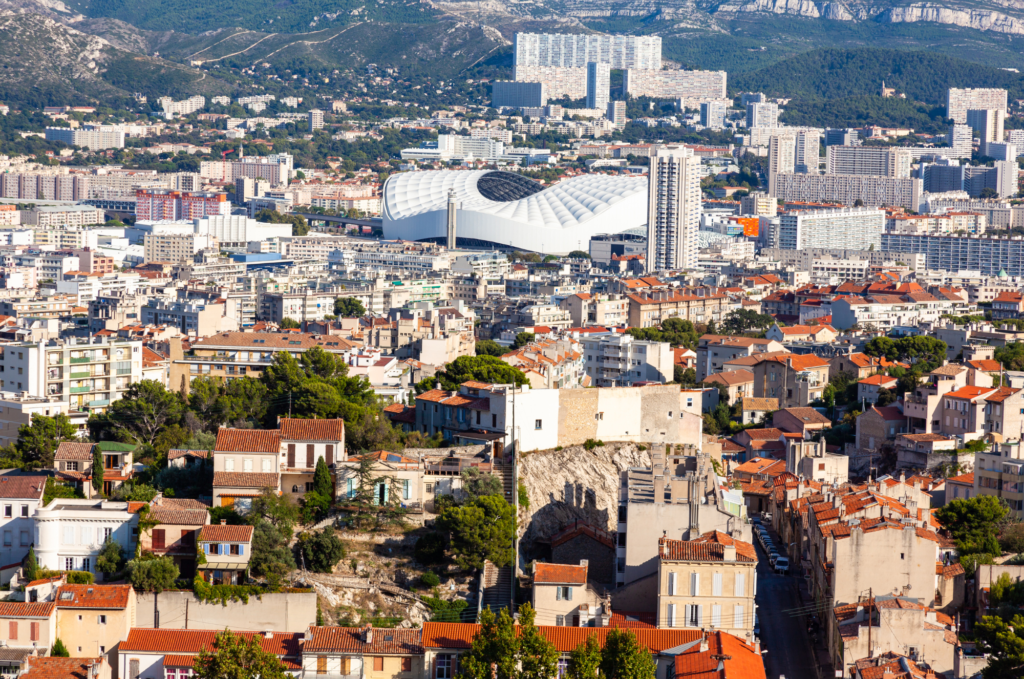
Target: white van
(781, 565)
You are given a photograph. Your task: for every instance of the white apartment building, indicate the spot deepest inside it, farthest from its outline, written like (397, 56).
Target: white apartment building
(557, 81)
(988, 124)
(619, 360)
(48, 266)
(877, 161)
(692, 87)
(239, 230)
(762, 114)
(712, 114)
(598, 84)
(181, 108)
(88, 374)
(848, 189)
(97, 139)
(960, 101)
(852, 228)
(577, 50)
(961, 140)
(17, 409)
(50, 216)
(673, 209)
(70, 533)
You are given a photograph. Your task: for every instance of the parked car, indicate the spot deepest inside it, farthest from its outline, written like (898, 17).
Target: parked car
(781, 565)
(756, 520)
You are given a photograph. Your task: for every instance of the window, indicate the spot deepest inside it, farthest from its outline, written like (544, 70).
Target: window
(443, 667)
(321, 664)
(8, 511)
(671, 584)
(560, 621)
(69, 564)
(159, 538)
(407, 664)
(247, 464)
(309, 486)
(86, 565)
(101, 619)
(671, 615)
(738, 619)
(229, 464)
(13, 629)
(234, 550)
(716, 584)
(716, 616)
(693, 615)
(740, 585)
(25, 538)
(694, 584)
(8, 538)
(71, 466)
(265, 466)
(563, 593)
(24, 510)
(537, 424)
(378, 663)
(133, 670)
(107, 532)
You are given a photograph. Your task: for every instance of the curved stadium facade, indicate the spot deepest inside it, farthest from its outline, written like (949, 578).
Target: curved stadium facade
(509, 210)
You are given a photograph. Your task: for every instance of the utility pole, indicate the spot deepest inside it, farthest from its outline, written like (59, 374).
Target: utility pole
(870, 602)
(156, 610)
(186, 613)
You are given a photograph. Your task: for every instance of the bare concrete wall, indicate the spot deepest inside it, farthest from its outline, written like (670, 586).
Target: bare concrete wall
(274, 612)
(576, 415)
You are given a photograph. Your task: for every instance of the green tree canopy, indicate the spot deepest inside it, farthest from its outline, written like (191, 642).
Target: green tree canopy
(233, 657)
(38, 441)
(746, 320)
(348, 307)
(585, 659)
(522, 339)
(321, 550)
(482, 529)
(489, 369)
(139, 415)
(489, 348)
(153, 574)
(504, 650)
(289, 324)
(111, 558)
(1003, 641)
(1011, 356)
(298, 222)
(974, 523)
(624, 658)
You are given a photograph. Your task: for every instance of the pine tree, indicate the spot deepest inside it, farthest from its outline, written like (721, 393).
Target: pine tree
(538, 658)
(585, 660)
(493, 653)
(97, 469)
(624, 658)
(59, 650)
(323, 484)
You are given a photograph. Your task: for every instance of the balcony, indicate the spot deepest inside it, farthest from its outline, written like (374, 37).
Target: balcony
(81, 390)
(83, 359)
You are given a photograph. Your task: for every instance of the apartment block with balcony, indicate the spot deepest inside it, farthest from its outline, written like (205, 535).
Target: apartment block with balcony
(89, 374)
(795, 379)
(619, 360)
(999, 472)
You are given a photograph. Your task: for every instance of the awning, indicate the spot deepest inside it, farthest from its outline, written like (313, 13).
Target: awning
(222, 566)
(179, 660)
(479, 435)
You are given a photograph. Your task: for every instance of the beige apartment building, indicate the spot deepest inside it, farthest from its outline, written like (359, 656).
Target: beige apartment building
(596, 309)
(649, 309)
(175, 248)
(714, 351)
(93, 619)
(795, 379)
(562, 597)
(999, 472)
(707, 582)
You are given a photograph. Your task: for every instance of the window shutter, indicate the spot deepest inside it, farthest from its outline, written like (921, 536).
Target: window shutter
(34, 631)
(241, 550)
(716, 615)
(291, 457)
(671, 615)
(13, 630)
(716, 584)
(741, 585)
(688, 612)
(330, 453)
(133, 669)
(738, 619)
(321, 664)
(694, 584)
(351, 487)
(700, 615)
(558, 593)
(405, 489)
(310, 456)
(206, 549)
(159, 538)
(671, 584)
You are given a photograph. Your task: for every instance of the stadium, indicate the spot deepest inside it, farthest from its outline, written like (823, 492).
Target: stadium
(507, 210)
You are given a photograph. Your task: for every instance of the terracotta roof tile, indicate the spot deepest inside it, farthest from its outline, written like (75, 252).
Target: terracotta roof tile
(248, 440)
(179, 517)
(456, 635)
(726, 657)
(245, 480)
(218, 533)
(60, 668)
(93, 596)
(175, 453)
(708, 547)
(21, 609)
(312, 430)
(15, 486)
(188, 641)
(553, 573)
(350, 640)
(74, 451)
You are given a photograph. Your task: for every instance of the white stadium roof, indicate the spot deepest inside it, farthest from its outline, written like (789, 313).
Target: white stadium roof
(509, 209)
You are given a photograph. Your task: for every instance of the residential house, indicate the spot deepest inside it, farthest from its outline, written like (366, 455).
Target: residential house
(924, 451)
(226, 550)
(174, 536)
(721, 656)
(620, 360)
(398, 477)
(20, 497)
(74, 464)
(586, 309)
(891, 624)
(869, 388)
(762, 442)
(27, 626)
(303, 444)
(804, 421)
(550, 364)
(794, 379)
(1007, 305)
(562, 596)
(754, 409)
(707, 583)
(714, 351)
(961, 486)
(169, 653)
(880, 425)
(93, 619)
(579, 541)
(35, 667)
(801, 333)
(363, 652)
(739, 384)
(925, 406)
(180, 458)
(700, 305)
(860, 365)
(70, 533)
(245, 461)
(812, 460)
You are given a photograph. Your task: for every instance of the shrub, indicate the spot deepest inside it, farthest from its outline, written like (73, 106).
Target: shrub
(590, 444)
(429, 549)
(80, 578)
(322, 550)
(524, 497)
(430, 579)
(59, 650)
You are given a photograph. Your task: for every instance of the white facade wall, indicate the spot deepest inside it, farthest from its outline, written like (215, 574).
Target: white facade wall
(70, 533)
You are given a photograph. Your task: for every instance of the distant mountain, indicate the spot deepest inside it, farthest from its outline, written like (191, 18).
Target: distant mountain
(45, 62)
(843, 73)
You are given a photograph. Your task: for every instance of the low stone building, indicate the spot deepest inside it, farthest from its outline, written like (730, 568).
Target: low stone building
(580, 540)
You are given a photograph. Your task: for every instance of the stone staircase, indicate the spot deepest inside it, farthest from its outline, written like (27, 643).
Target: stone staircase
(497, 587)
(504, 471)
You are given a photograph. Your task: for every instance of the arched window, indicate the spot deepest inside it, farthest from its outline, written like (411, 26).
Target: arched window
(295, 489)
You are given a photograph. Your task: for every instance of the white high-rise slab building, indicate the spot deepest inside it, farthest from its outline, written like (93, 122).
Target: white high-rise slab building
(960, 101)
(988, 124)
(673, 209)
(598, 84)
(577, 50)
(762, 115)
(961, 140)
(712, 114)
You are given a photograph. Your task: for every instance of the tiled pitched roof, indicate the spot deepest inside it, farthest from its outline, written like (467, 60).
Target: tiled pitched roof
(218, 533)
(15, 486)
(244, 480)
(290, 341)
(21, 609)
(709, 547)
(967, 479)
(632, 620)
(731, 377)
(248, 441)
(93, 596)
(879, 381)
(985, 365)
(889, 413)
(312, 430)
(179, 517)
(74, 451)
(188, 641)
(561, 574)
(726, 657)
(758, 404)
(970, 393)
(350, 640)
(60, 668)
(769, 434)
(457, 635)
(808, 415)
(755, 465)
(175, 453)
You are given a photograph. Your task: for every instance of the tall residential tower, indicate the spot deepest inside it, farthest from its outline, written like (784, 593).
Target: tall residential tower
(673, 209)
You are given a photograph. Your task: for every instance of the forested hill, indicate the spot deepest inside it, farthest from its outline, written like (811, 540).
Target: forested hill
(842, 73)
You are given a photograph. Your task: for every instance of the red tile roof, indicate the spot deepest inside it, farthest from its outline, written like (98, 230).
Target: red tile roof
(458, 635)
(726, 657)
(560, 574)
(93, 596)
(175, 453)
(245, 480)
(248, 441)
(74, 451)
(312, 430)
(172, 516)
(350, 639)
(186, 641)
(21, 609)
(15, 486)
(769, 434)
(218, 533)
(708, 547)
(632, 620)
(60, 668)
(970, 393)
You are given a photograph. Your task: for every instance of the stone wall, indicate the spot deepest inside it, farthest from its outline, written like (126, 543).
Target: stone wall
(600, 557)
(274, 612)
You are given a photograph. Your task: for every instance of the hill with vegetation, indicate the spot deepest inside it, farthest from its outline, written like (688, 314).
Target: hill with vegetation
(850, 73)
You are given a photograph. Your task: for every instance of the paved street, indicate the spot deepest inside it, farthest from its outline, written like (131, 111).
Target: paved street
(784, 640)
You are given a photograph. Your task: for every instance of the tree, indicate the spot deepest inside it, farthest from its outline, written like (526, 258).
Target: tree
(522, 339)
(745, 320)
(111, 559)
(322, 481)
(133, 491)
(31, 568)
(59, 650)
(624, 658)
(578, 254)
(585, 659)
(1011, 356)
(290, 324)
(97, 469)
(490, 348)
(538, 658)
(55, 489)
(480, 530)
(38, 441)
(271, 557)
(348, 307)
(492, 654)
(477, 484)
(234, 657)
(277, 510)
(1003, 641)
(321, 550)
(140, 414)
(973, 523)
(298, 222)
(881, 347)
(489, 369)
(153, 574)
(1012, 538)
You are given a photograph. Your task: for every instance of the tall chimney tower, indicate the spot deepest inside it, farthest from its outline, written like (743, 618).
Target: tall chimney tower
(451, 219)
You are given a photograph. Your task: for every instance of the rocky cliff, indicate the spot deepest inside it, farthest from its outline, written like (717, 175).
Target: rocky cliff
(574, 483)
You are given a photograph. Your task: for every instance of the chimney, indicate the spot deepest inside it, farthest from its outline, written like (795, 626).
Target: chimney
(584, 562)
(703, 642)
(268, 634)
(729, 552)
(368, 634)
(223, 522)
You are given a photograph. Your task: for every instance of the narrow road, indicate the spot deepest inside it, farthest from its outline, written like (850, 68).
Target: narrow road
(785, 644)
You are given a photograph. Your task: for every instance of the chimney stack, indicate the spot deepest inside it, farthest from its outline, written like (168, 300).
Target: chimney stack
(223, 522)
(368, 634)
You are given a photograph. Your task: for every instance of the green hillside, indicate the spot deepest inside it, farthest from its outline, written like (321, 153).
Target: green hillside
(842, 73)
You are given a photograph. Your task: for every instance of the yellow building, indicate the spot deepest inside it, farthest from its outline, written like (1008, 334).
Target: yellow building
(93, 619)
